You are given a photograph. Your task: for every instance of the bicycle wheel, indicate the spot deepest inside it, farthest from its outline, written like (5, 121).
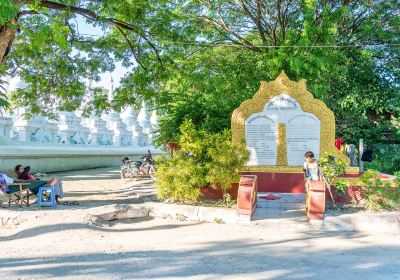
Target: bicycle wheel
(125, 173)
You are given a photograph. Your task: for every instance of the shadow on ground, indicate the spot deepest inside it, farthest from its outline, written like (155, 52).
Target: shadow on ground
(105, 227)
(282, 259)
(99, 187)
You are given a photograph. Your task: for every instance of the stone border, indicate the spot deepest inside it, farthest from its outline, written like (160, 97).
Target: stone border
(167, 211)
(382, 222)
(374, 222)
(369, 222)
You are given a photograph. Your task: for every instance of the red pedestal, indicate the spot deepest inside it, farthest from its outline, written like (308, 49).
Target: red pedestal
(247, 195)
(279, 182)
(315, 201)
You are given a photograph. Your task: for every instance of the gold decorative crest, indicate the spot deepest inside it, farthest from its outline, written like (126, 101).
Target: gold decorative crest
(298, 91)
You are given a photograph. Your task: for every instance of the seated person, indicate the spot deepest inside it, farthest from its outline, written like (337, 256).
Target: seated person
(23, 174)
(33, 186)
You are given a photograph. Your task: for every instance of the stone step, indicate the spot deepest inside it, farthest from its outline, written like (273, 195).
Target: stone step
(265, 213)
(288, 219)
(287, 201)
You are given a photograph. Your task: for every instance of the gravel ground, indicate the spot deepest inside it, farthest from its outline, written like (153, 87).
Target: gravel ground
(62, 244)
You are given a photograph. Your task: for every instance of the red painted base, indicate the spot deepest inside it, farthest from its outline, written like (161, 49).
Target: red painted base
(212, 193)
(279, 182)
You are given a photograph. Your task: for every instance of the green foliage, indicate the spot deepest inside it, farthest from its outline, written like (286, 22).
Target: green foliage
(8, 11)
(386, 158)
(206, 159)
(179, 179)
(379, 194)
(199, 60)
(206, 83)
(397, 180)
(229, 201)
(331, 168)
(341, 185)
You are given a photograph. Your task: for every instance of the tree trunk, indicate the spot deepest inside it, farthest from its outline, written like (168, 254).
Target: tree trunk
(7, 35)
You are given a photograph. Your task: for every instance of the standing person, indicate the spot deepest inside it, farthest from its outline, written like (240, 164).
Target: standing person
(23, 174)
(310, 168)
(311, 172)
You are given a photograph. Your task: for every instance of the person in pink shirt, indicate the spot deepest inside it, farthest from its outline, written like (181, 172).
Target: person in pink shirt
(23, 174)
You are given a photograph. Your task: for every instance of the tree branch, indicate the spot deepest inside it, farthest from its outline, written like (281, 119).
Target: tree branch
(95, 17)
(131, 47)
(255, 19)
(86, 13)
(27, 12)
(226, 28)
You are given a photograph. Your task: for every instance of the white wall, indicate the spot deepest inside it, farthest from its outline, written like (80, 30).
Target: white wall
(52, 158)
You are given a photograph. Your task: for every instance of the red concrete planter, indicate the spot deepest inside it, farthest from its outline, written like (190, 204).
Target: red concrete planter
(215, 193)
(353, 194)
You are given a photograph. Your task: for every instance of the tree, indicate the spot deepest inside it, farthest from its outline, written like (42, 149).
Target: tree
(345, 49)
(41, 40)
(199, 59)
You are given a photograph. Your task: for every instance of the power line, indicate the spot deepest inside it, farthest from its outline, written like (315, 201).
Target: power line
(293, 46)
(272, 46)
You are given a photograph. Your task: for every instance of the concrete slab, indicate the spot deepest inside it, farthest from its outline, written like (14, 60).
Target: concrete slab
(363, 221)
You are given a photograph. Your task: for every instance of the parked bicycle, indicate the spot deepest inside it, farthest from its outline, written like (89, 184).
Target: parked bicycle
(139, 168)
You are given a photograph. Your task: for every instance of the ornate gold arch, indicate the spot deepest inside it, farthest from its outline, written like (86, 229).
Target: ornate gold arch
(297, 90)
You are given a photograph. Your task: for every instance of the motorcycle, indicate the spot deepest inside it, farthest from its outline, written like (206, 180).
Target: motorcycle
(131, 169)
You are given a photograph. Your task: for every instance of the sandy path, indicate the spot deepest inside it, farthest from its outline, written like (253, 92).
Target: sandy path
(61, 244)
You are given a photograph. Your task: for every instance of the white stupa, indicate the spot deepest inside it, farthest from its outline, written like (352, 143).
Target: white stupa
(36, 129)
(121, 136)
(133, 126)
(144, 119)
(70, 129)
(154, 120)
(99, 134)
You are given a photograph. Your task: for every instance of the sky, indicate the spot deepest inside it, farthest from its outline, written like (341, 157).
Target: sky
(119, 72)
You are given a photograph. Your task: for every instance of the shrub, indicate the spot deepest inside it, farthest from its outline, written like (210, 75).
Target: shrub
(331, 168)
(380, 194)
(397, 180)
(386, 158)
(205, 159)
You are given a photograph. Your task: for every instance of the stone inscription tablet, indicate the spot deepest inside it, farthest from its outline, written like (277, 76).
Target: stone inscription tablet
(302, 135)
(261, 140)
(261, 132)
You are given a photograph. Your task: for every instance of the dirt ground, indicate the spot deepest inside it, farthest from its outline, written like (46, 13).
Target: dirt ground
(62, 244)
(102, 186)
